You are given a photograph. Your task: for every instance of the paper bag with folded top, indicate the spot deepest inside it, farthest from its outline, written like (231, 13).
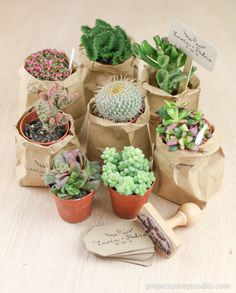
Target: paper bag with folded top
(188, 176)
(98, 133)
(34, 160)
(156, 96)
(93, 74)
(30, 87)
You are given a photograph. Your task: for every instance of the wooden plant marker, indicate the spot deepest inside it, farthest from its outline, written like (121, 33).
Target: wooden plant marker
(194, 46)
(187, 69)
(72, 55)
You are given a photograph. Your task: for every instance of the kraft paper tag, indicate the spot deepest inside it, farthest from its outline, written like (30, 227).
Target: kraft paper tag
(117, 238)
(192, 45)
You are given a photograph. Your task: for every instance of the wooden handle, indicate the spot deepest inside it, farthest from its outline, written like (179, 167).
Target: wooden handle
(187, 215)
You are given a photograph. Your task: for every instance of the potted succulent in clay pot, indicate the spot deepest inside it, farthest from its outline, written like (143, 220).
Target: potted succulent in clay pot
(47, 124)
(162, 75)
(105, 50)
(188, 158)
(73, 180)
(130, 181)
(118, 116)
(40, 71)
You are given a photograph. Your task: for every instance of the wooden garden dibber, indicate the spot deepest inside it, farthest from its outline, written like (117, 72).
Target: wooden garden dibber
(162, 231)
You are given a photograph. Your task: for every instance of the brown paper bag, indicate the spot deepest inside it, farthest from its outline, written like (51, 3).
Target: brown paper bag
(31, 86)
(98, 133)
(33, 160)
(188, 176)
(93, 74)
(156, 96)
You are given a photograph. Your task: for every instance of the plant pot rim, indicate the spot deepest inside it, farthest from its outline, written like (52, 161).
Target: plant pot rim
(133, 195)
(74, 200)
(211, 126)
(21, 127)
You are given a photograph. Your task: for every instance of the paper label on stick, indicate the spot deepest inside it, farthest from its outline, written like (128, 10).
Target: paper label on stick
(117, 238)
(192, 45)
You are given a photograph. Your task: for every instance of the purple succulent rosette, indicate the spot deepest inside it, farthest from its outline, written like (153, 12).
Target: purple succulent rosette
(182, 128)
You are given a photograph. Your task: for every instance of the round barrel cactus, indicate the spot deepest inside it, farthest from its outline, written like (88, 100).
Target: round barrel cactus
(119, 100)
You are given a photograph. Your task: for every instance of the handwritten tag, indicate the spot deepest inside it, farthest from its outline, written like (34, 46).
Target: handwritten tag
(127, 236)
(192, 45)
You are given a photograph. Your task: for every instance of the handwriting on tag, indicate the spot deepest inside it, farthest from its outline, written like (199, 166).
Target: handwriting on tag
(193, 45)
(117, 238)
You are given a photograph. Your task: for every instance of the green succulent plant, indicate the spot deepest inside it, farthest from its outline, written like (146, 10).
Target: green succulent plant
(181, 128)
(49, 107)
(166, 59)
(72, 175)
(119, 100)
(106, 44)
(128, 172)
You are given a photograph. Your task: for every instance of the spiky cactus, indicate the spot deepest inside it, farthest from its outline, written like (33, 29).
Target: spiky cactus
(106, 44)
(50, 105)
(119, 100)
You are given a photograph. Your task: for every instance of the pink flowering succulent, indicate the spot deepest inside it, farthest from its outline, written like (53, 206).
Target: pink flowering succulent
(50, 105)
(48, 64)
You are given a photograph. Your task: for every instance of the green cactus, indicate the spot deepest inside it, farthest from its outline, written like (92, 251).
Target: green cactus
(72, 176)
(50, 105)
(166, 59)
(119, 100)
(106, 44)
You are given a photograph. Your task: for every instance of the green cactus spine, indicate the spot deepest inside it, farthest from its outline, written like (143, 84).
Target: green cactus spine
(119, 100)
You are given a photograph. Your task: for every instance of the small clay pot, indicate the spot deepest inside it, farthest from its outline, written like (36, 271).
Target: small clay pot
(127, 206)
(32, 116)
(75, 210)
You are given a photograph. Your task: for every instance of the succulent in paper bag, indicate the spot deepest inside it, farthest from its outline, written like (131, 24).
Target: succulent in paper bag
(119, 100)
(128, 171)
(73, 175)
(181, 127)
(166, 59)
(48, 64)
(49, 107)
(106, 44)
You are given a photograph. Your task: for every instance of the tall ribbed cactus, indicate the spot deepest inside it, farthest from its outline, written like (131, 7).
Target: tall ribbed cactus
(119, 100)
(106, 44)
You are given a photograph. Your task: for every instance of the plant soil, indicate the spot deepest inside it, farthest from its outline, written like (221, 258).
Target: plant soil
(105, 61)
(35, 132)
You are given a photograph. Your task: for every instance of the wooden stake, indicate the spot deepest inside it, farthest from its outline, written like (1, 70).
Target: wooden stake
(187, 69)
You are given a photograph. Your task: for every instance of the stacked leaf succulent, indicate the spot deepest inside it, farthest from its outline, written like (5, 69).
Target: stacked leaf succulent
(128, 171)
(181, 128)
(119, 100)
(166, 59)
(48, 64)
(106, 44)
(72, 176)
(50, 105)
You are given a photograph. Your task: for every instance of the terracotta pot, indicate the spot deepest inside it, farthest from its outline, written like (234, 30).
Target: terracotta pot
(32, 116)
(75, 210)
(127, 206)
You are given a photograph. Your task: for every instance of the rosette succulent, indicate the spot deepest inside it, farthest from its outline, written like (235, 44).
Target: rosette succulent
(48, 64)
(106, 44)
(128, 171)
(166, 59)
(182, 128)
(72, 175)
(119, 100)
